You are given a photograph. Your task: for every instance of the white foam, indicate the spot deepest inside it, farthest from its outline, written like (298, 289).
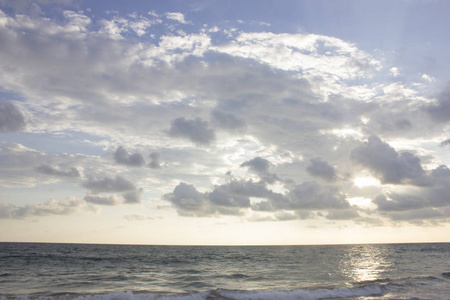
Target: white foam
(371, 290)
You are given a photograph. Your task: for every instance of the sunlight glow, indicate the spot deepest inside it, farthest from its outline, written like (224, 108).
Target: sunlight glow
(365, 181)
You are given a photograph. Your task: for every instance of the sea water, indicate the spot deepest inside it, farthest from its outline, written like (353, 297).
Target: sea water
(116, 272)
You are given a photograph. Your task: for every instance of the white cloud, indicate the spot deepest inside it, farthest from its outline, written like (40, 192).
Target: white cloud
(79, 22)
(312, 54)
(427, 78)
(394, 71)
(176, 16)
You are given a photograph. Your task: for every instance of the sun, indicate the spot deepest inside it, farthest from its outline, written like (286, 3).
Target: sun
(365, 181)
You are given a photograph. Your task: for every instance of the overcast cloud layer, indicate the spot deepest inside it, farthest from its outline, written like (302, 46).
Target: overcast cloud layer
(157, 113)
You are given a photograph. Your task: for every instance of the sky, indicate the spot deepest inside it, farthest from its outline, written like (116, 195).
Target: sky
(224, 122)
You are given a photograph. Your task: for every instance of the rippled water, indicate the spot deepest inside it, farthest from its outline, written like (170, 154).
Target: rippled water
(275, 272)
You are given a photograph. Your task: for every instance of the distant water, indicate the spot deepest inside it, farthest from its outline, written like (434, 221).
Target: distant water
(116, 272)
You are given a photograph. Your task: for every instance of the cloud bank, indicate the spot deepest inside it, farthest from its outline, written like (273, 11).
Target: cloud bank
(293, 120)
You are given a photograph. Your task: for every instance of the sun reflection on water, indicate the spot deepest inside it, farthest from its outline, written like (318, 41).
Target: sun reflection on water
(365, 263)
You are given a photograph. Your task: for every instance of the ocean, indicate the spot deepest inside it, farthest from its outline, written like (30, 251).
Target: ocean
(128, 272)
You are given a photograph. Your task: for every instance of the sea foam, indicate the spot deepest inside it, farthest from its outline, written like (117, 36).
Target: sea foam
(372, 290)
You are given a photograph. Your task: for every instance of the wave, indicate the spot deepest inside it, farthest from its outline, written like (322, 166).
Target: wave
(221, 294)
(420, 287)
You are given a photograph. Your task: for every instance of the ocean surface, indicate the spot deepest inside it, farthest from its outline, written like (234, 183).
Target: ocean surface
(116, 272)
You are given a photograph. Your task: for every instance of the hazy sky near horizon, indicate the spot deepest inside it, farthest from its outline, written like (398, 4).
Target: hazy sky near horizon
(224, 122)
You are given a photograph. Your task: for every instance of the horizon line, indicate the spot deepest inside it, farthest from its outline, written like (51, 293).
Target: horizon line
(227, 245)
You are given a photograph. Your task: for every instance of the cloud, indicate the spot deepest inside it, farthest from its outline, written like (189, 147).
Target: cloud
(285, 216)
(108, 184)
(233, 198)
(11, 119)
(394, 71)
(399, 202)
(234, 194)
(24, 167)
(133, 197)
(419, 216)
(122, 156)
(313, 55)
(155, 162)
(260, 166)
(441, 171)
(176, 16)
(390, 166)
(195, 130)
(344, 214)
(319, 168)
(445, 143)
(312, 195)
(188, 201)
(137, 217)
(51, 207)
(435, 197)
(440, 111)
(48, 170)
(282, 97)
(427, 78)
(227, 121)
(110, 200)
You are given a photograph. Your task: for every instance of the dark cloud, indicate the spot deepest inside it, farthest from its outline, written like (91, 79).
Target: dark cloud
(319, 168)
(441, 172)
(312, 195)
(431, 197)
(261, 166)
(111, 200)
(11, 119)
(227, 121)
(195, 130)
(419, 215)
(441, 110)
(247, 188)
(398, 202)
(133, 197)
(188, 201)
(155, 162)
(48, 170)
(226, 199)
(233, 198)
(445, 143)
(122, 156)
(224, 196)
(108, 184)
(387, 164)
